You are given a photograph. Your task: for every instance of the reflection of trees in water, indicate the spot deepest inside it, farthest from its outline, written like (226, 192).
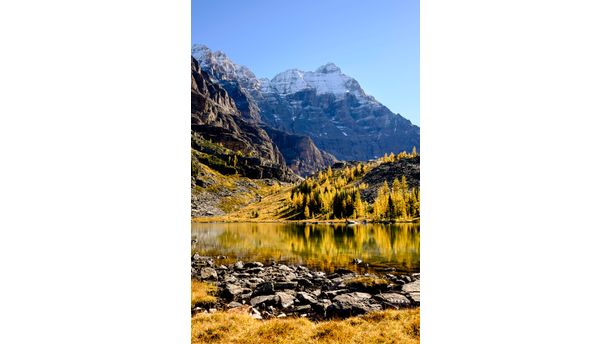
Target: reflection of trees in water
(322, 246)
(378, 243)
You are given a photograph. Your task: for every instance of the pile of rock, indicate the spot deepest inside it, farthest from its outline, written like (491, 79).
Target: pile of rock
(279, 290)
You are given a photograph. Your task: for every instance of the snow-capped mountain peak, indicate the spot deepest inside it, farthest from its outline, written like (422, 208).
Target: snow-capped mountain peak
(328, 78)
(325, 79)
(328, 68)
(199, 50)
(327, 105)
(221, 66)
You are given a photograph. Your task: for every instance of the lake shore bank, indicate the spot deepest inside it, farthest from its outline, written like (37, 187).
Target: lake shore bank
(271, 290)
(310, 221)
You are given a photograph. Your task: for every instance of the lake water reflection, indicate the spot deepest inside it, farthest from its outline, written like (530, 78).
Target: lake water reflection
(320, 246)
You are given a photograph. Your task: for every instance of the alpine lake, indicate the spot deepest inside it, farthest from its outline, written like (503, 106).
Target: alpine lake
(362, 248)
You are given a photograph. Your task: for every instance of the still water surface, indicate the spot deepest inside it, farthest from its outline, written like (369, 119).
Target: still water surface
(320, 246)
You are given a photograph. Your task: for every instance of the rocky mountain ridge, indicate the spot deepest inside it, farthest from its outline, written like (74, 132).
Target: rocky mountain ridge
(238, 80)
(299, 152)
(326, 105)
(218, 126)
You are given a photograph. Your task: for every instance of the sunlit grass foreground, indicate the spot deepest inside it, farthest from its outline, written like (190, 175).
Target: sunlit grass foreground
(238, 327)
(202, 293)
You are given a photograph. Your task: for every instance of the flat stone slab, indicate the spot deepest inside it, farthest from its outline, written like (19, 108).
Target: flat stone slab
(394, 298)
(285, 300)
(306, 297)
(412, 287)
(352, 297)
(231, 291)
(267, 299)
(265, 288)
(208, 274)
(332, 293)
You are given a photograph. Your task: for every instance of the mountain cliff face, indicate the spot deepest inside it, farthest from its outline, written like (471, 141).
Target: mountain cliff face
(225, 140)
(300, 153)
(326, 105)
(237, 80)
(335, 112)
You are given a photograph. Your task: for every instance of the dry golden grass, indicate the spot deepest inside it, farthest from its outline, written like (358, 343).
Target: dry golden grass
(235, 192)
(365, 282)
(202, 293)
(390, 326)
(269, 208)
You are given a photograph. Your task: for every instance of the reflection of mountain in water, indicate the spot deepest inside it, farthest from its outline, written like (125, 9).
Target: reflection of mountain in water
(320, 246)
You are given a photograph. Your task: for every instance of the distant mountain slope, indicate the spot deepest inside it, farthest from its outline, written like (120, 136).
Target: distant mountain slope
(300, 153)
(326, 105)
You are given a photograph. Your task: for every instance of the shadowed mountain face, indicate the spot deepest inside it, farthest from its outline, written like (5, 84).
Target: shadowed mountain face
(215, 120)
(300, 153)
(341, 124)
(326, 105)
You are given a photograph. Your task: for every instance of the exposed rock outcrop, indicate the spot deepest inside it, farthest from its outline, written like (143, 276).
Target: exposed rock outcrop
(278, 290)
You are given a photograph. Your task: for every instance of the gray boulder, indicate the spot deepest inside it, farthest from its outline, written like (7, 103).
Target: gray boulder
(285, 300)
(283, 267)
(333, 293)
(208, 274)
(416, 297)
(231, 291)
(350, 304)
(321, 307)
(265, 288)
(305, 298)
(285, 285)
(350, 297)
(394, 299)
(412, 287)
(267, 299)
(253, 265)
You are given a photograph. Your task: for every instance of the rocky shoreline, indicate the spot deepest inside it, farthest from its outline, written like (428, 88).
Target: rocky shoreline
(277, 290)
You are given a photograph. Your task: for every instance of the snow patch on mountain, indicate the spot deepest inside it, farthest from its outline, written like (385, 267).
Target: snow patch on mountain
(325, 79)
(221, 67)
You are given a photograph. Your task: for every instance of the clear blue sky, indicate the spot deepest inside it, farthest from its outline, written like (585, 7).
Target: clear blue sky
(376, 42)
